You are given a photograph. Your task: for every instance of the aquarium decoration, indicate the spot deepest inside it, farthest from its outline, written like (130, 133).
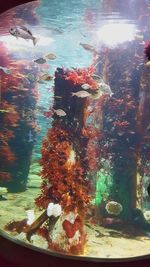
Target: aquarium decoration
(75, 127)
(18, 96)
(18, 128)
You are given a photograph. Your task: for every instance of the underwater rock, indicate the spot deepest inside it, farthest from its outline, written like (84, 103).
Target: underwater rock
(3, 190)
(39, 241)
(139, 220)
(147, 215)
(113, 208)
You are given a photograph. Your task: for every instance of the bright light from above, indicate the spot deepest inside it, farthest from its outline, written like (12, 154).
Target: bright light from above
(20, 44)
(113, 34)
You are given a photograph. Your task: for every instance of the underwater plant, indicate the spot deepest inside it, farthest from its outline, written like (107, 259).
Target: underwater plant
(82, 76)
(16, 111)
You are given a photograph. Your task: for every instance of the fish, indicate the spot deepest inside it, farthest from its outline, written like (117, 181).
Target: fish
(30, 135)
(54, 29)
(81, 94)
(5, 70)
(31, 77)
(147, 64)
(96, 77)
(40, 60)
(59, 112)
(56, 96)
(85, 86)
(46, 77)
(51, 56)
(4, 110)
(41, 82)
(23, 32)
(40, 108)
(88, 47)
(105, 88)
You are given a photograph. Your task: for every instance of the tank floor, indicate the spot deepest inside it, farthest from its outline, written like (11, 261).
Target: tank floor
(102, 242)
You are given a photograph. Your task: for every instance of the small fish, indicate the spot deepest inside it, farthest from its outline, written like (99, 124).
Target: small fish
(81, 94)
(24, 33)
(88, 47)
(38, 129)
(56, 96)
(5, 70)
(121, 133)
(139, 37)
(31, 77)
(105, 88)
(30, 135)
(147, 64)
(40, 108)
(46, 77)
(40, 60)
(85, 86)
(51, 56)
(41, 82)
(4, 110)
(59, 112)
(47, 114)
(99, 234)
(96, 77)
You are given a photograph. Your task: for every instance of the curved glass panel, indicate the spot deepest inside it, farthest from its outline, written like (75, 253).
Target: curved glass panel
(75, 127)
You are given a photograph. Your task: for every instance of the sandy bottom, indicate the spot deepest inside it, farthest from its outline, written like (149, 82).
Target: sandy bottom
(102, 242)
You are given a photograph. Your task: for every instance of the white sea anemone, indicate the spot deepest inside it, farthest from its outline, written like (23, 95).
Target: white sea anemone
(57, 210)
(50, 209)
(30, 216)
(114, 208)
(54, 210)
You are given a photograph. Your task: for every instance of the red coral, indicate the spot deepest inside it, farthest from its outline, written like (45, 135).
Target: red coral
(121, 124)
(71, 228)
(16, 226)
(5, 176)
(11, 108)
(82, 76)
(61, 184)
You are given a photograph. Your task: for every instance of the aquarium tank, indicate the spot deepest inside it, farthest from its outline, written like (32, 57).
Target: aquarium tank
(75, 127)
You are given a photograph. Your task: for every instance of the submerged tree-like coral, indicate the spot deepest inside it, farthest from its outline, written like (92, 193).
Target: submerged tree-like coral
(64, 178)
(65, 162)
(17, 99)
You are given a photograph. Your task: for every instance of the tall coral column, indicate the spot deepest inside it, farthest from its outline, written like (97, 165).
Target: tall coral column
(123, 69)
(65, 162)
